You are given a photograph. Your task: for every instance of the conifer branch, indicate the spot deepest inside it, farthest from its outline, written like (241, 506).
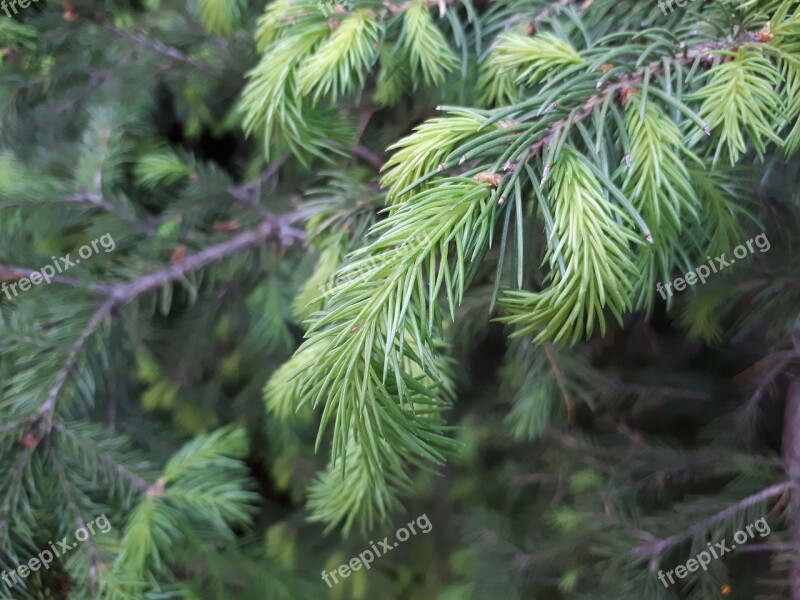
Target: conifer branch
(97, 200)
(655, 549)
(120, 294)
(12, 490)
(74, 352)
(791, 456)
(163, 49)
(246, 192)
(15, 273)
(72, 501)
(276, 226)
(139, 482)
(559, 377)
(630, 82)
(368, 156)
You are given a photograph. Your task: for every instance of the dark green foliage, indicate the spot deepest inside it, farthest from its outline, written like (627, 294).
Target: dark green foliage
(295, 334)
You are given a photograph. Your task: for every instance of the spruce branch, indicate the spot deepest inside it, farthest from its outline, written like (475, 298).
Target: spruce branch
(45, 412)
(15, 273)
(139, 482)
(72, 502)
(368, 156)
(791, 457)
(161, 48)
(247, 192)
(653, 550)
(377, 371)
(118, 295)
(590, 208)
(629, 82)
(12, 491)
(96, 199)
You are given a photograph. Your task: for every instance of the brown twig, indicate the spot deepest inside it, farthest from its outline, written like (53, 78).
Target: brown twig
(120, 294)
(368, 156)
(137, 480)
(625, 83)
(163, 49)
(245, 193)
(791, 457)
(73, 502)
(656, 548)
(11, 485)
(562, 384)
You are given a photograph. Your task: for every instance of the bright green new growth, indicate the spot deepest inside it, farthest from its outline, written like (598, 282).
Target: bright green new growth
(591, 266)
(426, 49)
(518, 61)
(421, 153)
(220, 16)
(741, 98)
(340, 63)
(660, 188)
(595, 177)
(310, 57)
(382, 384)
(530, 59)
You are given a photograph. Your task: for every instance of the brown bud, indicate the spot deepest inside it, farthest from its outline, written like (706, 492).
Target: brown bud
(178, 254)
(29, 441)
(226, 225)
(765, 34)
(626, 93)
(69, 11)
(493, 179)
(157, 489)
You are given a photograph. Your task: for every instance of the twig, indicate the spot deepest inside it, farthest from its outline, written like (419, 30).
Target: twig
(162, 48)
(791, 456)
(12, 273)
(73, 502)
(138, 481)
(655, 549)
(626, 81)
(84, 197)
(767, 548)
(776, 363)
(562, 385)
(12, 487)
(120, 294)
(368, 156)
(95, 199)
(245, 195)
(275, 226)
(74, 351)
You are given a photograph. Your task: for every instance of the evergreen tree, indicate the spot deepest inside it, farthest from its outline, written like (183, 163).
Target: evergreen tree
(277, 277)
